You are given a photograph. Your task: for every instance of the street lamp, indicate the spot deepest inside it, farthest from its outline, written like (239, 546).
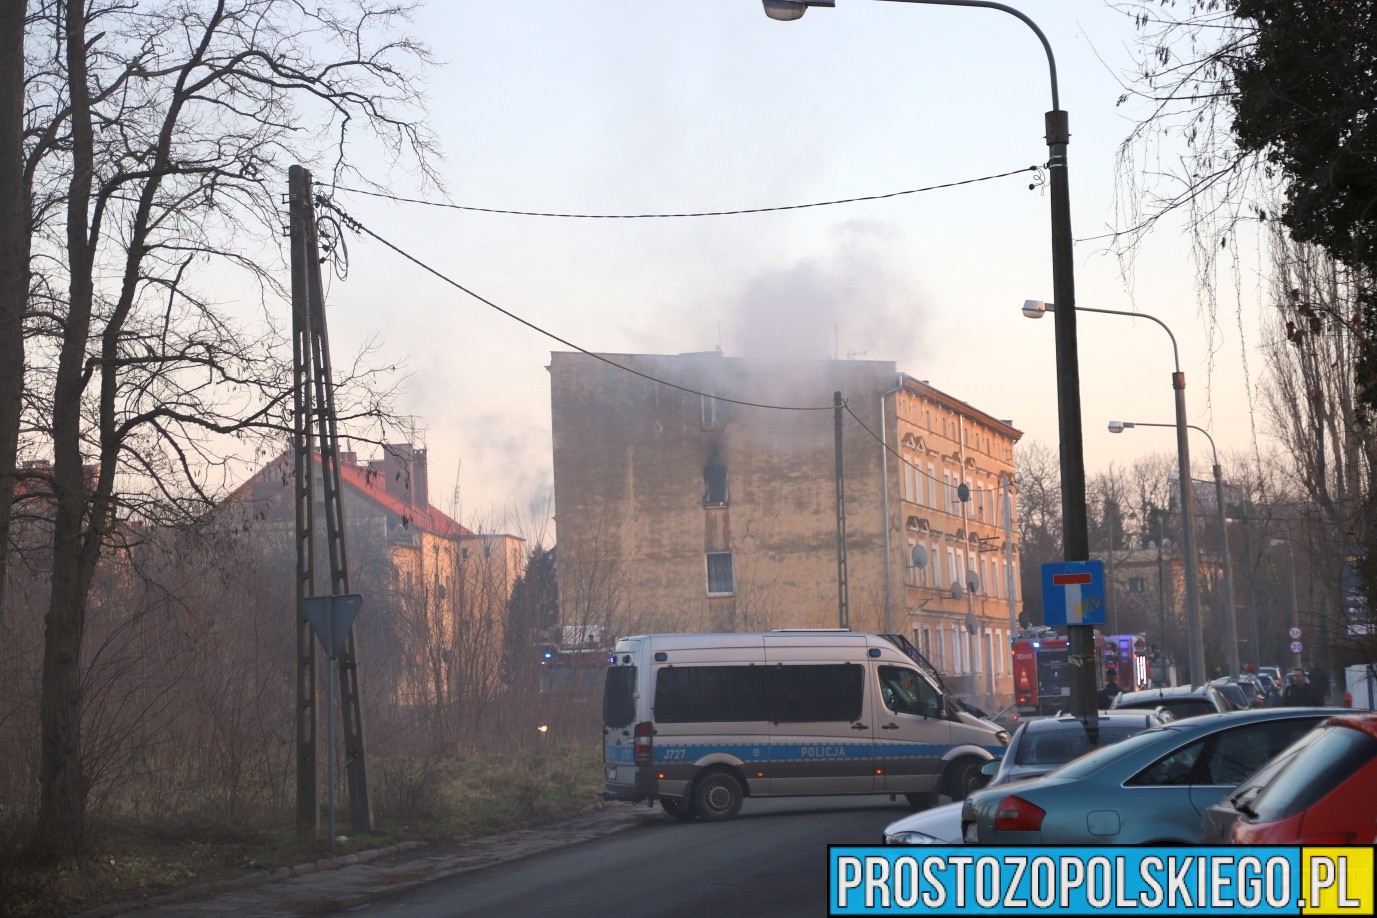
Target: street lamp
(1195, 638)
(1075, 530)
(1230, 621)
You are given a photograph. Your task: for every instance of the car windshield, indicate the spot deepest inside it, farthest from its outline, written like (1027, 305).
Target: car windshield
(1094, 761)
(1069, 740)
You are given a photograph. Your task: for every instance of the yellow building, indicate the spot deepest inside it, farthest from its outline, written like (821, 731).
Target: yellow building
(700, 492)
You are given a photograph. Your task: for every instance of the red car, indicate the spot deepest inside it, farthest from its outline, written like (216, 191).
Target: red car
(1324, 796)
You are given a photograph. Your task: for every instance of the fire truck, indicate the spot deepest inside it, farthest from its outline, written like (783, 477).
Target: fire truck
(1042, 667)
(1129, 654)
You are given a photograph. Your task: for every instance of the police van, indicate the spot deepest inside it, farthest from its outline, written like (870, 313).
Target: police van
(702, 721)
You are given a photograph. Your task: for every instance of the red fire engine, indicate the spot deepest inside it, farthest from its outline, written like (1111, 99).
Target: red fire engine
(1127, 653)
(1042, 667)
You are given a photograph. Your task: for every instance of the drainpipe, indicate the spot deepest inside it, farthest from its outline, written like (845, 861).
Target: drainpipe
(884, 488)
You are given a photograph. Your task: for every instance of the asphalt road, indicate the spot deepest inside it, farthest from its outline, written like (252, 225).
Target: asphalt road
(769, 861)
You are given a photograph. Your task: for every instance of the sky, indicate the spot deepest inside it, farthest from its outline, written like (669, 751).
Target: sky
(645, 106)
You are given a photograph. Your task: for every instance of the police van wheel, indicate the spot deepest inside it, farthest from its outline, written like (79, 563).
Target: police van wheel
(962, 779)
(681, 810)
(923, 801)
(717, 796)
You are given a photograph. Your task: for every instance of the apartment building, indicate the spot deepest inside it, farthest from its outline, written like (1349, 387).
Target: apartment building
(435, 592)
(700, 492)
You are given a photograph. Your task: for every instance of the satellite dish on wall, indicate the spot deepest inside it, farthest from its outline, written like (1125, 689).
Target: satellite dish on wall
(956, 591)
(963, 492)
(919, 556)
(973, 581)
(972, 626)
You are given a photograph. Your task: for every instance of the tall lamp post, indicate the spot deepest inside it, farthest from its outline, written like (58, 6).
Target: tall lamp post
(1231, 622)
(1075, 531)
(1195, 638)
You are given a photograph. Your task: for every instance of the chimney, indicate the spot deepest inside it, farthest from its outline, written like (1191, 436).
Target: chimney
(420, 479)
(403, 474)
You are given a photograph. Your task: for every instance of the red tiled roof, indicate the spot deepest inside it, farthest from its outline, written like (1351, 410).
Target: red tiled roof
(369, 485)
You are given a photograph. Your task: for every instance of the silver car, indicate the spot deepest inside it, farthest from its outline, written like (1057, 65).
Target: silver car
(1181, 700)
(1037, 747)
(1150, 789)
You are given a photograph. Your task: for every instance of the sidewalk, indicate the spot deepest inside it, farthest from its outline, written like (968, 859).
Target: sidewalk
(351, 880)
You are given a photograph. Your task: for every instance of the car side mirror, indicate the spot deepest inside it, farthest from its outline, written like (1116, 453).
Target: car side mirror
(989, 768)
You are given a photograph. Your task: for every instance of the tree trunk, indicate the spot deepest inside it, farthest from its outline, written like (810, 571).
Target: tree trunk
(14, 258)
(62, 803)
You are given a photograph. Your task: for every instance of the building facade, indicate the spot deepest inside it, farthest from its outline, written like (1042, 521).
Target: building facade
(700, 492)
(435, 592)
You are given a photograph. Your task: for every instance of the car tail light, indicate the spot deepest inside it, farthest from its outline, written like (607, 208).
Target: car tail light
(1014, 814)
(644, 744)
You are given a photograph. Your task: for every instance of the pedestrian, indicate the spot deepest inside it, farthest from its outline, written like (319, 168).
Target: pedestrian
(1320, 680)
(1105, 696)
(1299, 693)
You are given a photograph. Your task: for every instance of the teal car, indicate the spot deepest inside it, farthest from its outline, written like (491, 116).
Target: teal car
(1150, 789)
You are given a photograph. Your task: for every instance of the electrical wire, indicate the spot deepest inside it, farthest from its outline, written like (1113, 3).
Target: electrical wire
(352, 223)
(708, 213)
(356, 226)
(917, 468)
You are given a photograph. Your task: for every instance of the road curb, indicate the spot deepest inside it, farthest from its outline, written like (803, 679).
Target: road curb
(408, 873)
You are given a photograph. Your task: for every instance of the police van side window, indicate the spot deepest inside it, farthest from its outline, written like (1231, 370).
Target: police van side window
(905, 693)
(782, 694)
(803, 694)
(694, 694)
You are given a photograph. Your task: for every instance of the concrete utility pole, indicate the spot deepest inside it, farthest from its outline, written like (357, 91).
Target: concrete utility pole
(313, 351)
(303, 443)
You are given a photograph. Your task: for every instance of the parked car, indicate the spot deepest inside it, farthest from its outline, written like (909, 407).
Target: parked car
(1233, 694)
(1252, 690)
(1218, 825)
(1323, 795)
(1150, 789)
(1181, 700)
(1037, 747)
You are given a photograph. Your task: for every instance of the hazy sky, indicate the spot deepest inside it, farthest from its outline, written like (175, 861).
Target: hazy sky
(644, 106)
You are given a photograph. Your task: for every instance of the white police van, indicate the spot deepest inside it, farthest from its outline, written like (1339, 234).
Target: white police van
(702, 721)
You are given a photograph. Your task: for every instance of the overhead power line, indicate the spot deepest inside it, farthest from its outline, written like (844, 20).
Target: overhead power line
(671, 216)
(352, 223)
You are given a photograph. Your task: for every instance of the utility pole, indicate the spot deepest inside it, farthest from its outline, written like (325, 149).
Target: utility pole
(321, 393)
(843, 610)
(303, 446)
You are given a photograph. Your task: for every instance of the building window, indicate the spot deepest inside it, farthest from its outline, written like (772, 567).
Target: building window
(715, 491)
(713, 413)
(721, 579)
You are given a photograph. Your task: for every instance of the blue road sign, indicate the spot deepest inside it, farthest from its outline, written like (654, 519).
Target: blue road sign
(1073, 593)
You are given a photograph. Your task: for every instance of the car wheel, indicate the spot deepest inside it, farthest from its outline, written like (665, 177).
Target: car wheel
(681, 810)
(962, 778)
(717, 796)
(924, 801)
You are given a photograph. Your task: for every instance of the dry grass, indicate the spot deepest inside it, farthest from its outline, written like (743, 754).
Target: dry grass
(436, 799)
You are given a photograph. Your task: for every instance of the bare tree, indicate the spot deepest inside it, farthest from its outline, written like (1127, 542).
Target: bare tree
(1038, 484)
(14, 258)
(1313, 403)
(159, 134)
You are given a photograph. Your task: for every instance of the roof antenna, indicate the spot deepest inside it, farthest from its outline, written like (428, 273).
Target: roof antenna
(454, 502)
